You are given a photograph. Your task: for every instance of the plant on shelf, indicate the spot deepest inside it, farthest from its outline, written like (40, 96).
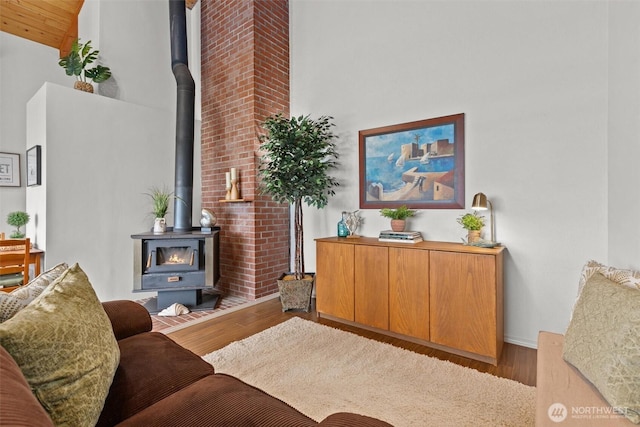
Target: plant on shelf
(17, 219)
(298, 154)
(398, 216)
(76, 62)
(473, 223)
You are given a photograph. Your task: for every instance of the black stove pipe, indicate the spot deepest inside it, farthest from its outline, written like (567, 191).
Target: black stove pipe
(185, 115)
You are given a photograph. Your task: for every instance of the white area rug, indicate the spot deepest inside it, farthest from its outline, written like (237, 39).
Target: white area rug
(321, 370)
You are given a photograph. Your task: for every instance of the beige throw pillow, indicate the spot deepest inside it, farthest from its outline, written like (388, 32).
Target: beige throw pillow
(13, 302)
(628, 278)
(603, 342)
(65, 347)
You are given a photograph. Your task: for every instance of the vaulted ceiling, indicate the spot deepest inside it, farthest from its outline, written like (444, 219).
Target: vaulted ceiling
(50, 22)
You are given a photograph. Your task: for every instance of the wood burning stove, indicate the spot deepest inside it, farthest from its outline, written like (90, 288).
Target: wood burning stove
(179, 266)
(183, 262)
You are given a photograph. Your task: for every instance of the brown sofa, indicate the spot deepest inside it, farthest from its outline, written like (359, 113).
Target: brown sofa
(160, 383)
(560, 383)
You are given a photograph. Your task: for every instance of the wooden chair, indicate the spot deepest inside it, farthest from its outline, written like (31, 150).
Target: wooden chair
(14, 263)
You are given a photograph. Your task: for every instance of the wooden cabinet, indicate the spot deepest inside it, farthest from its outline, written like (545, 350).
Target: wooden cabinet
(334, 286)
(445, 295)
(371, 278)
(409, 292)
(463, 301)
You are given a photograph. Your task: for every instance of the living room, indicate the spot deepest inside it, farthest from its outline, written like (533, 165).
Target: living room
(547, 89)
(522, 67)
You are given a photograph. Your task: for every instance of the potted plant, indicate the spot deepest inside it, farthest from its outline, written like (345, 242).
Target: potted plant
(17, 219)
(76, 62)
(398, 216)
(297, 155)
(473, 223)
(160, 198)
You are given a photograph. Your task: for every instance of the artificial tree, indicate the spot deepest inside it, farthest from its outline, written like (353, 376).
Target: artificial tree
(297, 155)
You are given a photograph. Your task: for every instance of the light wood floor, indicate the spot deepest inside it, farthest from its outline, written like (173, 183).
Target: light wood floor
(517, 363)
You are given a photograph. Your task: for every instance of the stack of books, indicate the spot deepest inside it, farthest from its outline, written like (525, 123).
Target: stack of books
(400, 236)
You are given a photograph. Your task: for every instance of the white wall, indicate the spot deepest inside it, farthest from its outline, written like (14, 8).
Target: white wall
(624, 134)
(531, 78)
(24, 67)
(141, 71)
(101, 154)
(92, 196)
(133, 38)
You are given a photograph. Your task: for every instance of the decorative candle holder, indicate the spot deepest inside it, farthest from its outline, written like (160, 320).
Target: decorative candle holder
(235, 191)
(227, 176)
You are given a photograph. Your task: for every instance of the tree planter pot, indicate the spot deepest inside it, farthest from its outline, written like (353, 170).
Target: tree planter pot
(296, 294)
(83, 86)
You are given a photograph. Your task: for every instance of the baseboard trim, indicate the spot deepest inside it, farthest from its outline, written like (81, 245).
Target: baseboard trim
(521, 342)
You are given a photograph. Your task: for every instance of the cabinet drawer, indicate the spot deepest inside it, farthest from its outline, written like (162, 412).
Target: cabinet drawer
(172, 281)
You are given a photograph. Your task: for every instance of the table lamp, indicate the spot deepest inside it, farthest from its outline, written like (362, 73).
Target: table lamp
(481, 203)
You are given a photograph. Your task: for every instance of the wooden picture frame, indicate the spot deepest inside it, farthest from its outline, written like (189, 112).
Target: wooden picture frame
(34, 166)
(418, 164)
(9, 170)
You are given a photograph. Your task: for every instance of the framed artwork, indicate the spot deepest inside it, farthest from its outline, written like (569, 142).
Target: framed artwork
(418, 164)
(34, 166)
(9, 170)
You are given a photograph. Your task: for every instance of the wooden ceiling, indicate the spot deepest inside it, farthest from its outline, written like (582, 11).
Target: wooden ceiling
(50, 22)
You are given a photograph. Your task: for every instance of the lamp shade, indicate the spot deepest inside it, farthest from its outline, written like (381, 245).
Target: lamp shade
(480, 202)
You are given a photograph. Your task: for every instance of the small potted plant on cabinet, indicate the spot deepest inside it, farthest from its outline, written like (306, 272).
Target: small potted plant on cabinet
(297, 155)
(398, 216)
(17, 219)
(473, 223)
(76, 62)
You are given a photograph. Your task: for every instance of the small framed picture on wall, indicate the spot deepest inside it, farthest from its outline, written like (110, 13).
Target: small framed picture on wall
(34, 166)
(9, 170)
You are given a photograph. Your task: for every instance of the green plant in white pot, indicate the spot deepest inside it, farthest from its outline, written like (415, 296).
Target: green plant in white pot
(298, 154)
(160, 199)
(76, 62)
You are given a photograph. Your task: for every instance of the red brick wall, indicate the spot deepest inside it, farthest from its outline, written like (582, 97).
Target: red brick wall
(245, 77)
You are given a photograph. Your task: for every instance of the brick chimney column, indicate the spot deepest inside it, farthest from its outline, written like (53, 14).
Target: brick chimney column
(245, 78)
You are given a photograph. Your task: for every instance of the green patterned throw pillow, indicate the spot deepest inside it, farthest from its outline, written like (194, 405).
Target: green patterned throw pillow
(64, 344)
(13, 302)
(603, 342)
